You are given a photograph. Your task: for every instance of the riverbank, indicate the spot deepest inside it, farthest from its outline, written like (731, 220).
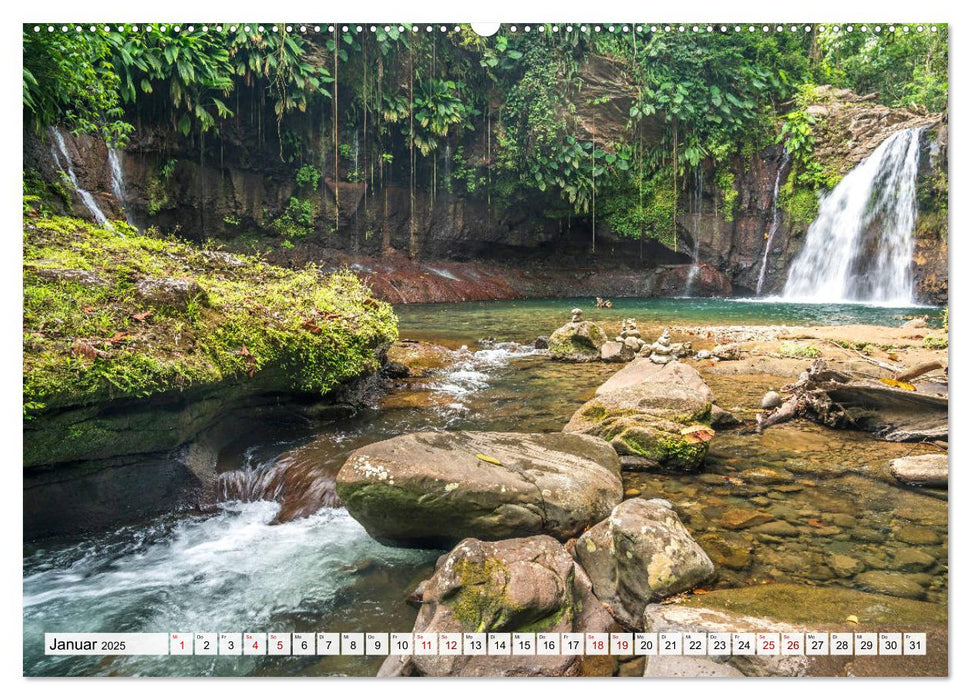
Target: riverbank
(800, 504)
(136, 346)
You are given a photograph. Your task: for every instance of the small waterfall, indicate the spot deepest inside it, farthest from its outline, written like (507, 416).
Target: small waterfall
(860, 247)
(696, 249)
(68, 167)
(118, 181)
(775, 221)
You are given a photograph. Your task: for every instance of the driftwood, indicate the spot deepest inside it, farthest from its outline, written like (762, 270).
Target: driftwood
(914, 372)
(839, 400)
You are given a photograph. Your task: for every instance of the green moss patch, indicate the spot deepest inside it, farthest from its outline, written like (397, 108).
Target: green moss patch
(89, 338)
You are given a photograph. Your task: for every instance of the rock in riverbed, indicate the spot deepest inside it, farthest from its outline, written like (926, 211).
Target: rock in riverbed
(639, 555)
(526, 584)
(612, 351)
(436, 488)
(577, 341)
(659, 413)
(921, 470)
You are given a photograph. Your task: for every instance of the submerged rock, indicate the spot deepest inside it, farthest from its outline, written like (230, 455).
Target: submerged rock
(639, 555)
(542, 343)
(577, 341)
(527, 584)
(412, 358)
(892, 583)
(436, 488)
(659, 413)
(921, 470)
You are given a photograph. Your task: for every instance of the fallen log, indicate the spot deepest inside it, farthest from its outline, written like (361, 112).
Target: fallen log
(838, 400)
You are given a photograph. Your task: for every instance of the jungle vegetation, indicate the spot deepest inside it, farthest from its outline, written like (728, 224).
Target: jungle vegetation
(453, 112)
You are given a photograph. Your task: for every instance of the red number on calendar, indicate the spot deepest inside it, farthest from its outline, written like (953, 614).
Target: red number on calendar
(768, 645)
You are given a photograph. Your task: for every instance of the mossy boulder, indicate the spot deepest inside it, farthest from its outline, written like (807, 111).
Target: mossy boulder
(164, 316)
(436, 488)
(641, 554)
(659, 414)
(577, 342)
(527, 584)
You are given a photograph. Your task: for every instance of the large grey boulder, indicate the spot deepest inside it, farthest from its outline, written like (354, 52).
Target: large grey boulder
(436, 488)
(659, 414)
(921, 470)
(577, 341)
(526, 584)
(641, 554)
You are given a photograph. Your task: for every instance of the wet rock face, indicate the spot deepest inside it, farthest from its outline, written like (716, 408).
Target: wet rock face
(434, 489)
(577, 341)
(641, 554)
(659, 413)
(525, 584)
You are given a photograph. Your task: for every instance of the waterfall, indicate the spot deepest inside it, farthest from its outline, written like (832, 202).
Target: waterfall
(118, 181)
(68, 167)
(860, 247)
(775, 221)
(696, 248)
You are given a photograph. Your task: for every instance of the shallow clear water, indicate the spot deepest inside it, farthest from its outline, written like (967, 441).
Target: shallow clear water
(526, 319)
(267, 566)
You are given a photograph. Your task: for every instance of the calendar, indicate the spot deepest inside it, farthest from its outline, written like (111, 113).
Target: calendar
(356, 346)
(492, 644)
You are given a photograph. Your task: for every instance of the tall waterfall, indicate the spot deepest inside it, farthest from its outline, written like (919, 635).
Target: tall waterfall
(775, 222)
(68, 167)
(860, 247)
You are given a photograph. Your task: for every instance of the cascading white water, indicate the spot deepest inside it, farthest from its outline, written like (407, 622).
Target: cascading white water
(68, 167)
(775, 222)
(696, 250)
(118, 181)
(860, 247)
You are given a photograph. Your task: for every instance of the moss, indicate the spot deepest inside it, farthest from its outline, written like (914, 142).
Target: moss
(729, 193)
(84, 343)
(798, 201)
(667, 449)
(797, 350)
(479, 601)
(935, 343)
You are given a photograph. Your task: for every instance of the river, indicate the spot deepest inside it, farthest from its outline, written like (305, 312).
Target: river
(263, 566)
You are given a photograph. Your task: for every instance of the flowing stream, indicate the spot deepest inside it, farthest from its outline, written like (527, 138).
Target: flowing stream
(860, 247)
(278, 553)
(775, 222)
(59, 147)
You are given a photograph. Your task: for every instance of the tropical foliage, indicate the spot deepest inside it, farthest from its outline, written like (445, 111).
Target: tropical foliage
(488, 117)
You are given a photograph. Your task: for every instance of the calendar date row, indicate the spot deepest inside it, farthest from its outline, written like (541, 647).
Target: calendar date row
(490, 644)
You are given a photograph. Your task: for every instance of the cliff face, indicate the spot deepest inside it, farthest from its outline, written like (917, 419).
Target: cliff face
(228, 190)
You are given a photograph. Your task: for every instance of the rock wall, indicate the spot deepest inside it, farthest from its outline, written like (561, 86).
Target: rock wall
(230, 192)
